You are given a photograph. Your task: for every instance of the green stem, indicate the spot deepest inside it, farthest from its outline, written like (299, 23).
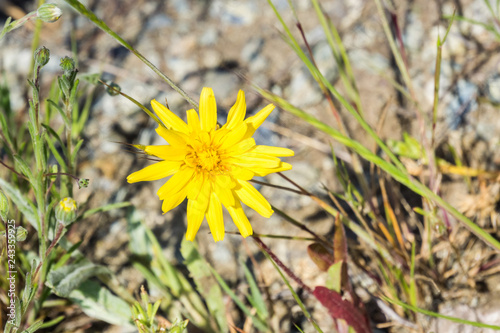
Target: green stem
(36, 37)
(79, 7)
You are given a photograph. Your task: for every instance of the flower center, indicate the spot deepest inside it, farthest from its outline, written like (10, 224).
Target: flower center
(208, 159)
(204, 156)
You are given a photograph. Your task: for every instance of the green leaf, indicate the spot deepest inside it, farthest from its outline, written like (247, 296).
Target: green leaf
(56, 154)
(53, 133)
(61, 111)
(53, 322)
(79, 123)
(31, 111)
(5, 129)
(74, 89)
(334, 277)
(25, 169)
(64, 258)
(9, 327)
(36, 325)
(255, 298)
(409, 147)
(98, 302)
(91, 78)
(65, 279)
(6, 27)
(21, 202)
(29, 291)
(152, 263)
(75, 151)
(64, 86)
(105, 208)
(205, 283)
(259, 324)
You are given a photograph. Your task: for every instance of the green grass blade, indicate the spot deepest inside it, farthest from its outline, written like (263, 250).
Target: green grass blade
(295, 296)
(105, 208)
(259, 324)
(318, 76)
(255, 298)
(438, 315)
(396, 173)
(205, 283)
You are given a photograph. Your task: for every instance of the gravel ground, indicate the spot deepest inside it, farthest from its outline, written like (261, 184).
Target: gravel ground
(229, 45)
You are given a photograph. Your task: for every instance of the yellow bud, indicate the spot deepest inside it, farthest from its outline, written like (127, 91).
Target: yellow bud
(66, 211)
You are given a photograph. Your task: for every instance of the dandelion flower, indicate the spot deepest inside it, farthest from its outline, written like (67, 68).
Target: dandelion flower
(211, 165)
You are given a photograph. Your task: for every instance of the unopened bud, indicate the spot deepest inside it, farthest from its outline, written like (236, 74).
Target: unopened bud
(113, 89)
(83, 182)
(49, 13)
(21, 234)
(4, 206)
(67, 65)
(66, 211)
(42, 56)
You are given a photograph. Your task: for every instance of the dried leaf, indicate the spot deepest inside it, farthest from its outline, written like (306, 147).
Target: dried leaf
(320, 256)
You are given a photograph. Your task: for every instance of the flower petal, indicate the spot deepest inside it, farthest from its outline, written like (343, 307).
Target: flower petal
(195, 213)
(168, 118)
(241, 147)
(176, 183)
(167, 152)
(155, 171)
(173, 137)
(174, 200)
(223, 186)
(240, 219)
(208, 109)
(253, 199)
(233, 136)
(193, 120)
(255, 121)
(237, 112)
(265, 171)
(196, 186)
(215, 219)
(252, 160)
(275, 151)
(242, 173)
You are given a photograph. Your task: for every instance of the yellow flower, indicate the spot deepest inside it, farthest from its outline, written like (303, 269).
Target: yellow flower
(211, 165)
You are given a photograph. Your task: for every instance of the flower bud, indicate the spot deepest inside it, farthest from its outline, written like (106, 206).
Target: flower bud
(4, 206)
(42, 56)
(66, 211)
(113, 89)
(21, 234)
(49, 13)
(67, 64)
(83, 182)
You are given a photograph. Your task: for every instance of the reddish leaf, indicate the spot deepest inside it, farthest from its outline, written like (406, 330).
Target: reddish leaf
(320, 256)
(342, 309)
